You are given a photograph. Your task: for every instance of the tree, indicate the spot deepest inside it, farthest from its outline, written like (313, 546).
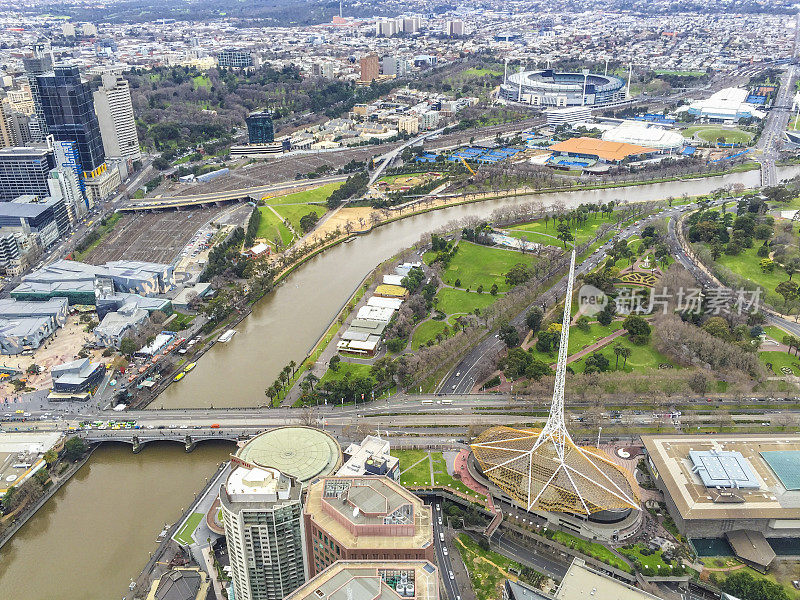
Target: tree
(596, 363)
(605, 316)
(617, 352)
(509, 334)
(789, 290)
(128, 346)
(626, 354)
(74, 448)
(33, 369)
(767, 265)
(292, 365)
(534, 319)
(637, 328)
(583, 323)
(537, 369)
(50, 457)
(518, 274)
(564, 234)
(333, 363)
(493, 290)
(791, 267)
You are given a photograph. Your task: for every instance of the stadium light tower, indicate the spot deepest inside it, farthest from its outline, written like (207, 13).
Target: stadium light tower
(628, 89)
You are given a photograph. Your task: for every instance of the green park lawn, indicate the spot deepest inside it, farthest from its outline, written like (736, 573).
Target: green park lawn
(748, 265)
(427, 330)
(457, 302)
(476, 265)
(476, 72)
(592, 549)
(201, 81)
(184, 535)
(272, 227)
(578, 340)
(345, 369)
(412, 471)
(711, 134)
(780, 359)
(484, 568)
(294, 212)
(539, 232)
(649, 564)
(314, 195)
(642, 357)
(776, 333)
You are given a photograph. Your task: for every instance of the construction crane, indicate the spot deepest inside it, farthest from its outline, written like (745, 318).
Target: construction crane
(461, 158)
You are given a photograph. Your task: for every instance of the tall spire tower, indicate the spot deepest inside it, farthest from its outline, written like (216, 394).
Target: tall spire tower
(544, 469)
(555, 430)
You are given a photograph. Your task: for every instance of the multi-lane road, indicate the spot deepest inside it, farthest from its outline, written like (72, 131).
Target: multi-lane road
(463, 377)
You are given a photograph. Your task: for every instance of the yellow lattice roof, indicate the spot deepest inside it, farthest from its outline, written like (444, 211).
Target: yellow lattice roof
(585, 482)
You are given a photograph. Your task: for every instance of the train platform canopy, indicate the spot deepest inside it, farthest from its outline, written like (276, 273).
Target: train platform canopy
(599, 149)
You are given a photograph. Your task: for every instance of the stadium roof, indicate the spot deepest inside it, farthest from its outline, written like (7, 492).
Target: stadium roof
(644, 134)
(302, 452)
(609, 151)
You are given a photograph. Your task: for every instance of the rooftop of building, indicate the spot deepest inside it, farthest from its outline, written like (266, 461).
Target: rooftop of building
(302, 452)
(610, 151)
(776, 496)
(22, 327)
(371, 447)
(364, 512)
(10, 306)
(26, 151)
(372, 580)
(583, 583)
(260, 485)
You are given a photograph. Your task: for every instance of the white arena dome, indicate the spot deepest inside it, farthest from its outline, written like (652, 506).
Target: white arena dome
(643, 134)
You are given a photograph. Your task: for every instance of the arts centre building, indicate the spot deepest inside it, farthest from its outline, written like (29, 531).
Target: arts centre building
(744, 489)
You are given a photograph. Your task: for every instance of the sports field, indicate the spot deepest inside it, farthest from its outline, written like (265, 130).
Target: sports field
(712, 134)
(475, 265)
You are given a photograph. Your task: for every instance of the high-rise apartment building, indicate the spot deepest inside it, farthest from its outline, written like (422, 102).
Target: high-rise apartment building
(114, 109)
(262, 514)
(370, 67)
(454, 28)
(365, 518)
(38, 63)
(69, 113)
(25, 171)
(235, 59)
(260, 129)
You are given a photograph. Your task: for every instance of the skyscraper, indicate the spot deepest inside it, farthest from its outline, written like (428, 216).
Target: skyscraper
(370, 67)
(24, 171)
(112, 103)
(38, 63)
(262, 513)
(260, 129)
(69, 114)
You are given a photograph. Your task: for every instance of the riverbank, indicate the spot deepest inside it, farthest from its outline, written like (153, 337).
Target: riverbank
(30, 511)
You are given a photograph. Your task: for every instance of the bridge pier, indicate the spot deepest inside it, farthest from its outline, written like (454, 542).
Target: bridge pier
(189, 443)
(137, 445)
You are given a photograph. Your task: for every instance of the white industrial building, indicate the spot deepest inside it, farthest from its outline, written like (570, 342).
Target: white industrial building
(725, 106)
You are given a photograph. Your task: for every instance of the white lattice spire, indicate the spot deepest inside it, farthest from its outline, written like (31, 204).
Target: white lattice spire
(555, 430)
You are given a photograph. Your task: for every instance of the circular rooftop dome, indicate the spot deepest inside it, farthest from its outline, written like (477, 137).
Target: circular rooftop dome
(302, 452)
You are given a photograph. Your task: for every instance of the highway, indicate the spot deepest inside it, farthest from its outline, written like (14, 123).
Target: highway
(226, 196)
(775, 124)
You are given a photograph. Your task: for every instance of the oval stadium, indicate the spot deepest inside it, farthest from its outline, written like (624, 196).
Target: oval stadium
(551, 89)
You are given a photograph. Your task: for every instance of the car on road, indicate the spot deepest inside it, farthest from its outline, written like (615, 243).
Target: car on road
(452, 576)
(445, 551)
